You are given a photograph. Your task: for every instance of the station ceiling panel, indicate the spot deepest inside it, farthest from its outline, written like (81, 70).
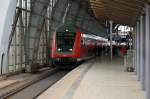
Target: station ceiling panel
(123, 12)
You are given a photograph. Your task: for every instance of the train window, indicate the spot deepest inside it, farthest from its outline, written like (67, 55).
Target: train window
(65, 41)
(82, 43)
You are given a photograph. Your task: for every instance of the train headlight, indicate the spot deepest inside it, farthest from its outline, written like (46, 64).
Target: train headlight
(58, 59)
(70, 49)
(59, 49)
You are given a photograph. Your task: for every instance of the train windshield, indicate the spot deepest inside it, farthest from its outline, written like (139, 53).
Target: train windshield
(65, 41)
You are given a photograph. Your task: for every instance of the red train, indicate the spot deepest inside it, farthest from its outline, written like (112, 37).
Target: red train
(71, 45)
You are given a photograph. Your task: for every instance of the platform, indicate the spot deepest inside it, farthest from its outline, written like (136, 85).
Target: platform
(97, 79)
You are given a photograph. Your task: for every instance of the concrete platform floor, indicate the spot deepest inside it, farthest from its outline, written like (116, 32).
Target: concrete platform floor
(97, 79)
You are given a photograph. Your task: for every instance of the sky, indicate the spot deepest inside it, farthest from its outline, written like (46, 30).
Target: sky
(124, 28)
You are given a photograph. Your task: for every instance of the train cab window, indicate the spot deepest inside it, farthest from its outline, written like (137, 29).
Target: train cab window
(65, 41)
(82, 43)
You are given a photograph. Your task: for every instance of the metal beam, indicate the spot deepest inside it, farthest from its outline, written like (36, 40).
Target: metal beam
(33, 34)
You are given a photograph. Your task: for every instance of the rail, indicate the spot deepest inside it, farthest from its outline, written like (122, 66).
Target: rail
(13, 89)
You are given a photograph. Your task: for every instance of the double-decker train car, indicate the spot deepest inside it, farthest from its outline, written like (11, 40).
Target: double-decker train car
(71, 45)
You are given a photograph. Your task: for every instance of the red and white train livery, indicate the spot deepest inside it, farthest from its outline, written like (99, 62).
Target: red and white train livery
(72, 45)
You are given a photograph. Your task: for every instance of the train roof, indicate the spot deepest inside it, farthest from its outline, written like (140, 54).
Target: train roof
(67, 28)
(91, 36)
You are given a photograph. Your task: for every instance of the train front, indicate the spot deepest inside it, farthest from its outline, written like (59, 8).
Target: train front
(66, 46)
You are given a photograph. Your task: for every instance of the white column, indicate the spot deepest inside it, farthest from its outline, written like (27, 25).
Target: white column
(7, 11)
(135, 48)
(111, 31)
(142, 65)
(147, 51)
(138, 50)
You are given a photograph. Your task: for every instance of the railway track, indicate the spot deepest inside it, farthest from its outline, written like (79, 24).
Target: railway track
(35, 88)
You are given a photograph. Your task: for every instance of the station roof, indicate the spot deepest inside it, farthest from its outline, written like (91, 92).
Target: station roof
(123, 12)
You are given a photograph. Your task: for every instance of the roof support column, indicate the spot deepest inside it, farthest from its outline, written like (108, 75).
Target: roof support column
(142, 65)
(111, 31)
(147, 51)
(7, 10)
(135, 48)
(138, 50)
